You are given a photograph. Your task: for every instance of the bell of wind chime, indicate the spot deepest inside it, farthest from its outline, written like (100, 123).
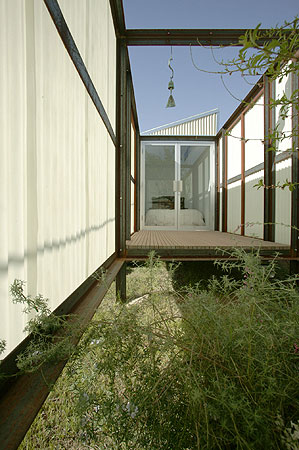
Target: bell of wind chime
(171, 102)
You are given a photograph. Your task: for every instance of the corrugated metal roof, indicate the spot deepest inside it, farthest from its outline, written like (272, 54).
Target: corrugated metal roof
(203, 124)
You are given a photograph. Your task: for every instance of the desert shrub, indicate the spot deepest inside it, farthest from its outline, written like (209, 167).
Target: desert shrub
(213, 369)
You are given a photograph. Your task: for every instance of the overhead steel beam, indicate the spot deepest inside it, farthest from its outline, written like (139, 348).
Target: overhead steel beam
(213, 37)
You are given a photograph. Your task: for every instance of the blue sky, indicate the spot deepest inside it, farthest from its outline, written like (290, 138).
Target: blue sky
(195, 92)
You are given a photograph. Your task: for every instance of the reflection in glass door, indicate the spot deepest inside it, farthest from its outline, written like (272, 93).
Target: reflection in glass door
(177, 186)
(159, 175)
(195, 202)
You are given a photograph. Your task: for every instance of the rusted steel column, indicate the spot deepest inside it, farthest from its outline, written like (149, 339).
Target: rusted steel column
(224, 181)
(295, 177)
(121, 283)
(242, 174)
(269, 168)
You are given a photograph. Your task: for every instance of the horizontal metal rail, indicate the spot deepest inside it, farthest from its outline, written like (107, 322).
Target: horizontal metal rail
(278, 158)
(22, 396)
(213, 37)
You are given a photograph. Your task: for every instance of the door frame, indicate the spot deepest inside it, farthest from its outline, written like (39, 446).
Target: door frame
(177, 162)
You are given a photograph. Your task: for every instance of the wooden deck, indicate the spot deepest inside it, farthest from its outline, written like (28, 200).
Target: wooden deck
(196, 244)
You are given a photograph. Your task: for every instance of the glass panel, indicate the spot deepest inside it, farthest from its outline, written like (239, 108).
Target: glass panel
(159, 177)
(195, 195)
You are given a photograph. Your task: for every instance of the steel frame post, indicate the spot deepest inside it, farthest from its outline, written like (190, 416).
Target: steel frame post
(122, 140)
(269, 164)
(242, 174)
(121, 283)
(128, 155)
(224, 181)
(295, 178)
(217, 186)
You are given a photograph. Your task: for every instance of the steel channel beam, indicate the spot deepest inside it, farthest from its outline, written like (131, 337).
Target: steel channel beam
(128, 154)
(217, 187)
(295, 176)
(138, 170)
(122, 139)
(118, 16)
(224, 181)
(242, 175)
(269, 167)
(199, 253)
(117, 149)
(121, 283)
(214, 37)
(70, 45)
(22, 396)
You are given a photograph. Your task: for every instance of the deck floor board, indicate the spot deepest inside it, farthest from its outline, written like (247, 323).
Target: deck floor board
(202, 241)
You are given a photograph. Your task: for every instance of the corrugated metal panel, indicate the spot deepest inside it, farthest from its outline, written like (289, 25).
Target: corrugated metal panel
(234, 151)
(91, 25)
(57, 160)
(254, 206)
(234, 207)
(202, 125)
(254, 132)
(133, 175)
(283, 203)
(283, 122)
(220, 160)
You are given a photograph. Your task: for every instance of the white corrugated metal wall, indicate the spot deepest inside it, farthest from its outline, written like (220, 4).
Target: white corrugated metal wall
(234, 188)
(254, 157)
(57, 170)
(203, 125)
(254, 171)
(133, 175)
(283, 168)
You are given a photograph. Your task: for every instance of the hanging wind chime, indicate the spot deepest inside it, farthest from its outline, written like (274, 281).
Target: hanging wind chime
(171, 102)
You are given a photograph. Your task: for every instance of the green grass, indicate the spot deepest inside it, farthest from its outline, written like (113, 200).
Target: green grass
(213, 368)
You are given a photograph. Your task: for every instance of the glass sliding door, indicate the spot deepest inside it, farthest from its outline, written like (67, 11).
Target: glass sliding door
(195, 193)
(159, 176)
(178, 186)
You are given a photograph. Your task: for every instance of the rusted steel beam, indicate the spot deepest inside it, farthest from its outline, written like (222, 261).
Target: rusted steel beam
(224, 180)
(269, 168)
(209, 258)
(118, 16)
(190, 36)
(70, 45)
(295, 176)
(242, 174)
(23, 395)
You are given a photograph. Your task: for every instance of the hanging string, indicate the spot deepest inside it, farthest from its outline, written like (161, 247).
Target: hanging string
(169, 61)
